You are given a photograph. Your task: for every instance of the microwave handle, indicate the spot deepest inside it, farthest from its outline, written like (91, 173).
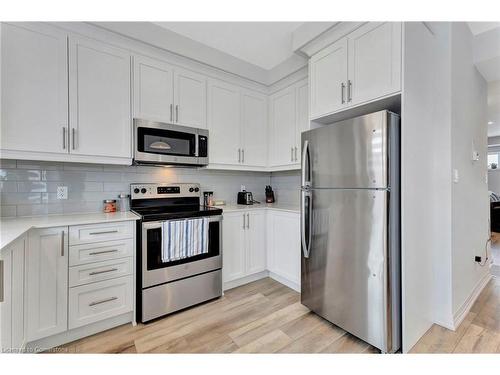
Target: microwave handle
(197, 145)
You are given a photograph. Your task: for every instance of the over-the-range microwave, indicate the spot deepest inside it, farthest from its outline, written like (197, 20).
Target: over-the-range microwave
(158, 143)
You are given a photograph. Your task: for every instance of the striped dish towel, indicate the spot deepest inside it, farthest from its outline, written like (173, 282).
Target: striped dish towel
(184, 238)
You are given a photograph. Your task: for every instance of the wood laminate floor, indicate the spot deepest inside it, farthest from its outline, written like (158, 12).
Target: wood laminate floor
(261, 317)
(478, 333)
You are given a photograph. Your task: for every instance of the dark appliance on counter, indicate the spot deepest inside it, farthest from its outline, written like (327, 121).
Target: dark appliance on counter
(245, 197)
(269, 194)
(164, 287)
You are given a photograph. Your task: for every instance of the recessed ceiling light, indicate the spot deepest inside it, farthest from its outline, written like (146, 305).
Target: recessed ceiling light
(491, 122)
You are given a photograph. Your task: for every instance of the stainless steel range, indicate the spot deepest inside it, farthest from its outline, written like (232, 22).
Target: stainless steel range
(179, 249)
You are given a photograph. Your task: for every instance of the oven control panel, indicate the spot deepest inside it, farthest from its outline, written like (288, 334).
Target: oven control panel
(152, 191)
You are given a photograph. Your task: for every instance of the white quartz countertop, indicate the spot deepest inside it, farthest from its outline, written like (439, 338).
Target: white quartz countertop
(261, 206)
(13, 228)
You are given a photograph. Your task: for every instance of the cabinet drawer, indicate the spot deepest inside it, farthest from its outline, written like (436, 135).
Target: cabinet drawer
(94, 302)
(100, 232)
(90, 273)
(96, 252)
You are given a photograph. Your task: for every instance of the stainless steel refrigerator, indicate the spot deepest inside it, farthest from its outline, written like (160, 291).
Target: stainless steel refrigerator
(350, 226)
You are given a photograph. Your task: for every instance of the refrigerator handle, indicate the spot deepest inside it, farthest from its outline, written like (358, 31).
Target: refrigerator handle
(306, 222)
(305, 159)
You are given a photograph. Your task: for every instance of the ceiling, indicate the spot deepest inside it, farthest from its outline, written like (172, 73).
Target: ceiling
(265, 44)
(481, 27)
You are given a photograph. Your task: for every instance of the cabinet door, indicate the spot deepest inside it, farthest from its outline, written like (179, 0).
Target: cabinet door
(254, 129)
(12, 303)
(190, 101)
(223, 123)
(99, 91)
(233, 246)
(285, 245)
(47, 282)
(327, 79)
(374, 61)
(302, 108)
(256, 241)
(153, 90)
(34, 90)
(282, 118)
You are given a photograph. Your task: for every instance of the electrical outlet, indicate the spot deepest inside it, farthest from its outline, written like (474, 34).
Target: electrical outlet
(478, 259)
(62, 192)
(243, 188)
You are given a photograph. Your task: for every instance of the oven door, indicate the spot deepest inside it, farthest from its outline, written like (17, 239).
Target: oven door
(155, 272)
(162, 143)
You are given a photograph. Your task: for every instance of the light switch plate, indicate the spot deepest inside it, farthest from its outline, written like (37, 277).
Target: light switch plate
(62, 192)
(456, 176)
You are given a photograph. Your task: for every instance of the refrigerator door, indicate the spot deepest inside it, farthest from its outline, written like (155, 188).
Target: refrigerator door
(345, 273)
(351, 153)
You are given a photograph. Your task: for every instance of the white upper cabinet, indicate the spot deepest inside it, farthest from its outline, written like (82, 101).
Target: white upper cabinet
(254, 129)
(361, 67)
(224, 123)
(328, 79)
(153, 90)
(289, 117)
(374, 61)
(47, 283)
(190, 99)
(34, 90)
(282, 122)
(99, 91)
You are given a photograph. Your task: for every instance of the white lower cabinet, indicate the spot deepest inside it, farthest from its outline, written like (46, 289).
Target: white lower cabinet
(12, 296)
(283, 245)
(47, 283)
(244, 246)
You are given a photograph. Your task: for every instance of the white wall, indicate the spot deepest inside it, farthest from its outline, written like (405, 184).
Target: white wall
(425, 179)
(470, 202)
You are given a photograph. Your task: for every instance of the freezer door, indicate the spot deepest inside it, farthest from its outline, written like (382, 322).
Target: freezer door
(351, 153)
(344, 275)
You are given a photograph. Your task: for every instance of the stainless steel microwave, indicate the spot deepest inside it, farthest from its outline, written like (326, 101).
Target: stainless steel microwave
(158, 143)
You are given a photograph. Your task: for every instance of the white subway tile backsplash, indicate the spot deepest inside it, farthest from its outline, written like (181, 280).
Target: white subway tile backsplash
(28, 188)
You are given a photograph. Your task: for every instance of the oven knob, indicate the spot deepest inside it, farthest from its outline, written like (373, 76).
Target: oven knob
(143, 190)
(196, 189)
(191, 189)
(136, 191)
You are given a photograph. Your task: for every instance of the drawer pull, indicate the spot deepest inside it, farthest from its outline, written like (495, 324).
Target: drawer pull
(104, 232)
(102, 301)
(103, 271)
(103, 252)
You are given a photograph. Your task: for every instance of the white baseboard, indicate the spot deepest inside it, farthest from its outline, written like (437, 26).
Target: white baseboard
(245, 280)
(291, 284)
(77, 333)
(462, 312)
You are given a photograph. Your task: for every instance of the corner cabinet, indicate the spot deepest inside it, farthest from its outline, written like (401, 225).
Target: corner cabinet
(361, 67)
(237, 121)
(288, 118)
(244, 245)
(47, 283)
(169, 94)
(12, 296)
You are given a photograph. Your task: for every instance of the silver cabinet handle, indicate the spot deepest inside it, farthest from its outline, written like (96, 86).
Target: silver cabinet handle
(349, 90)
(243, 221)
(248, 221)
(239, 155)
(177, 113)
(291, 153)
(73, 138)
(64, 138)
(2, 283)
(342, 92)
(104, 232)
(242, 155)
(171, 113)
(104, 271)
(103, 252)
(102, 301)
(295, 153)
(62, 243)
